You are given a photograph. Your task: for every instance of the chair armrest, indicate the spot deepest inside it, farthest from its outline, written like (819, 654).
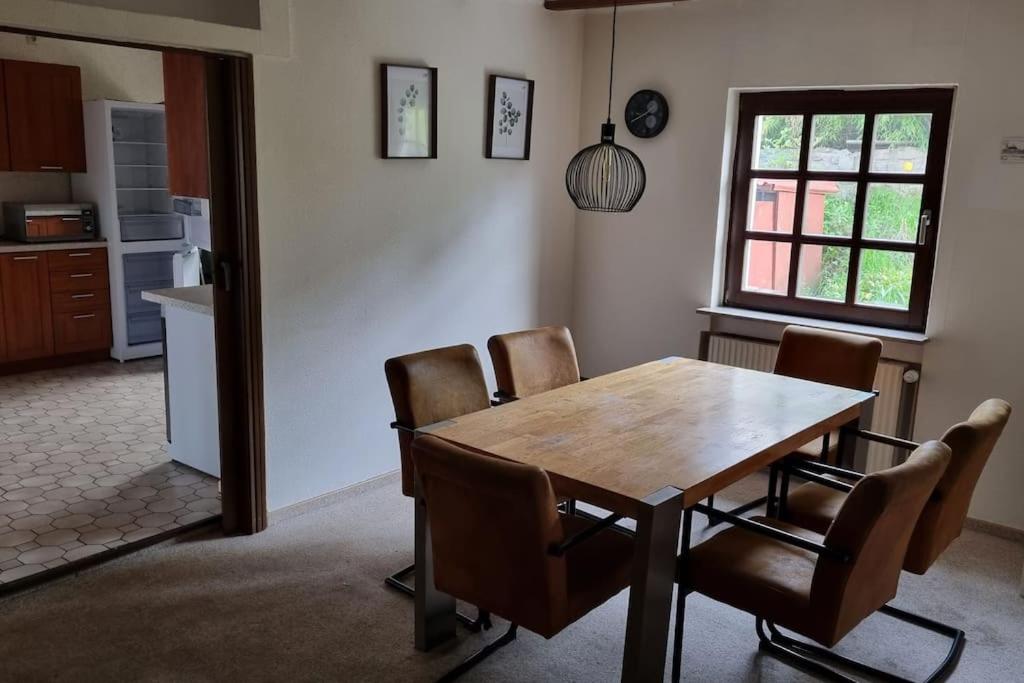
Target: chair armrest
(772, 532)
(501, 398)
(884, 439)
(798, 471)
(560, 549)
(398, 426)
(821, 468)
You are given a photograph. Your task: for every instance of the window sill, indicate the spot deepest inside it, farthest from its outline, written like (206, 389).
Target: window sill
(883, 333)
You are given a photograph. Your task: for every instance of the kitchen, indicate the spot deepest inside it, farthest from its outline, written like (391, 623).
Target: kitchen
(108, 405)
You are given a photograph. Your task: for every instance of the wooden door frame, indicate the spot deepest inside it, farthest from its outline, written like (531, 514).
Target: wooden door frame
(237, 291)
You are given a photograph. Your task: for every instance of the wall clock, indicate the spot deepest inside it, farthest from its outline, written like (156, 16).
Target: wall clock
(647, 114)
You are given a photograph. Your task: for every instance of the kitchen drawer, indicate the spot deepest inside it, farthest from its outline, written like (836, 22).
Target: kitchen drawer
(78, 258)
(78, 301)
(79, 279)
(82, 331)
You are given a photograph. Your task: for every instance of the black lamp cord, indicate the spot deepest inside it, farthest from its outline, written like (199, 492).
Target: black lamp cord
(611, 70)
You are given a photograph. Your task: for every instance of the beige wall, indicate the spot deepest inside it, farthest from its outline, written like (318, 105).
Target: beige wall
(640, 277)
(108, 72)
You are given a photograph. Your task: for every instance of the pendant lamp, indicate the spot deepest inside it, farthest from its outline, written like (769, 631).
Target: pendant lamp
(606, 177)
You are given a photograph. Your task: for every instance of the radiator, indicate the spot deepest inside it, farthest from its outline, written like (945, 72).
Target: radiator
(894, 383)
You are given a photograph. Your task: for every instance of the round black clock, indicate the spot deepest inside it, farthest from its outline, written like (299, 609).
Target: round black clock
(647, 114)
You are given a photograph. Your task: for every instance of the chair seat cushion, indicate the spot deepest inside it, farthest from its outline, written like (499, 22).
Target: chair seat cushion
(813, 506)
(597, 569)
(757, 574)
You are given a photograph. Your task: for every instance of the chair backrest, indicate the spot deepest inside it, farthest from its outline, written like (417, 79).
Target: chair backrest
(533, 361)
(491, 524)
(837, 358)
(945, 512)
(873, 526)
(431, 386)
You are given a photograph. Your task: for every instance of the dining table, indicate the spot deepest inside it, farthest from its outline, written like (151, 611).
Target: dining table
(646, 443)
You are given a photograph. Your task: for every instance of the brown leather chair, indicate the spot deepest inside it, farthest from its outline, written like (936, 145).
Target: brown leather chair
(533, 361)
(814, 505)
(815, 355)
(530, 564)
(428, 387)
(818, 586)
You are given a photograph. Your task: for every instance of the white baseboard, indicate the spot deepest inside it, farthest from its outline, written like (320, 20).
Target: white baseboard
(333, 497)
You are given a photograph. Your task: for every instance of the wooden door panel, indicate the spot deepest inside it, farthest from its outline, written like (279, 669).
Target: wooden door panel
(68, 115)
(25, 288)
(5, 149)
(44, 116)
(188, 157)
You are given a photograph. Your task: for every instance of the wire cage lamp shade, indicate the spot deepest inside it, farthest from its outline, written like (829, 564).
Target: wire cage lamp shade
(606, 177)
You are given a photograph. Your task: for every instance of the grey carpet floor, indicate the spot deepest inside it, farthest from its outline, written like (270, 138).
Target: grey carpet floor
(304, 602)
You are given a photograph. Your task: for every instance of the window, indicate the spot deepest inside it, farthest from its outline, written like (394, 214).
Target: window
(835, 203)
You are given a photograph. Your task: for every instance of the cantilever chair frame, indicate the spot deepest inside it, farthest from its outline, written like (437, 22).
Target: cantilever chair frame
(797, 651)
(398, 582)
(831, 477)
(557, 550)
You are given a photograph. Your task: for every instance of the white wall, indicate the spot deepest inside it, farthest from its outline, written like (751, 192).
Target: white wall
(366, 258)
(108, 72)
(640, 277)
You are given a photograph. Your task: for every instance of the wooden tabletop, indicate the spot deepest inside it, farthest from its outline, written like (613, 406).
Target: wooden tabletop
(699, 427)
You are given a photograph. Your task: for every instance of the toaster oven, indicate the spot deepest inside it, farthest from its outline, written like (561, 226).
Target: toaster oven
(50, 222)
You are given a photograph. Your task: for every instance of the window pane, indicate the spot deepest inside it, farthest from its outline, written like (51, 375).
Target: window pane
(836, 142)
(884, 278)
(901, 143)
(828, 208)
(892, 212)
(777, 142)
(823, 272)
(772, 205)
(766, 267)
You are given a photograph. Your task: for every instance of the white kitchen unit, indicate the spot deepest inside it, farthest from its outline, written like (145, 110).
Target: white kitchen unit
(191, 366)
(125, 144)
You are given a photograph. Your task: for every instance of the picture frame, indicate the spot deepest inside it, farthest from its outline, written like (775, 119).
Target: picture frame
(408, 111)
(509, 118)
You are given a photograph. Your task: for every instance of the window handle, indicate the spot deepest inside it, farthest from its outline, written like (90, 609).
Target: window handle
(923, 224)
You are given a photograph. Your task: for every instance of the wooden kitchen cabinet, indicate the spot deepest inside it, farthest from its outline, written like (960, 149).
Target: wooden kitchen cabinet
(188, 155)
(45, 126)
(5, 149)
(54, 308)
(27, 317)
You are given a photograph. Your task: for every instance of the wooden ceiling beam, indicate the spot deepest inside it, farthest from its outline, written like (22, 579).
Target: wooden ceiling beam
(564, 5)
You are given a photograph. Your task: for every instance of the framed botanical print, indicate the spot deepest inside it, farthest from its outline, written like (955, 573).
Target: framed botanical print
(510, 118)
(408, 112)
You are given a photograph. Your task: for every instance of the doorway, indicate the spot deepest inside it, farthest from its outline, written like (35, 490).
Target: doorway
(223, 94)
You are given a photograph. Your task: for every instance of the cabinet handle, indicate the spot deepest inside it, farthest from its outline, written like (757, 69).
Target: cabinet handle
(68, 219)
(78, 275)
(26, 258)
(84, 253)
(84, 317)
(82, 296)
(51, 168)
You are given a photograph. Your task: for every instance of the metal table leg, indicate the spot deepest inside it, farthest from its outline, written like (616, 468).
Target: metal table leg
(435, 611)
(650, 593)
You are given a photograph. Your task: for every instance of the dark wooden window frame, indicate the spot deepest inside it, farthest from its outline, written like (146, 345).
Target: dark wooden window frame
(936, 101)
(237, 289)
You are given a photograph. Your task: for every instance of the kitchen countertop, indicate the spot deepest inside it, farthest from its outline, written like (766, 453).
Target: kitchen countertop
(196, 299)
(9, 247)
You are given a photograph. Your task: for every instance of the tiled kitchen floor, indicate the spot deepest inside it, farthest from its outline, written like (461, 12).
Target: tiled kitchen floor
(84, 465)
